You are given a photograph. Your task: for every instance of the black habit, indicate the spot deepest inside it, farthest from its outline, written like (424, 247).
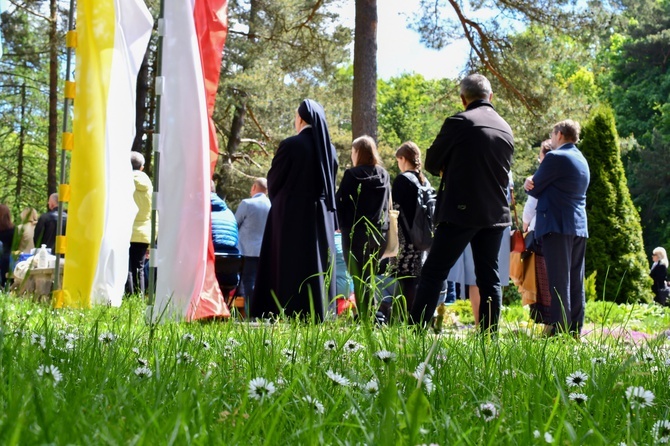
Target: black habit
(296, 259)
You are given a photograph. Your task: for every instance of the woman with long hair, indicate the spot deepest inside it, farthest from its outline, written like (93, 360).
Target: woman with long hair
(405, 196)
(362, 211)
(659, 273)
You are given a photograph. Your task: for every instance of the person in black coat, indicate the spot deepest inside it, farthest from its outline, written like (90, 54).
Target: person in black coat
(473, 155)
(297, 252)
(659, 273)
(362, 210)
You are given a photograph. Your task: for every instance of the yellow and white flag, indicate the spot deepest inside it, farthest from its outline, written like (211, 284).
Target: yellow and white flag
(112, 39)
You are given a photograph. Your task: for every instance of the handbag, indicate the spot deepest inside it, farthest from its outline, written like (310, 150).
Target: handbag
(516, 243)
(392, 242)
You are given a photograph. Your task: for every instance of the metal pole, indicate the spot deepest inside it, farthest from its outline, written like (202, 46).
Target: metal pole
(156, 162)
(66, 141)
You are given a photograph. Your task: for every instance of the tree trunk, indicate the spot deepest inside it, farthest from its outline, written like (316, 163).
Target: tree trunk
(151, 91)
(237, 126)
(22, 144)
(141, 103)
(364, 106)
(52, 179)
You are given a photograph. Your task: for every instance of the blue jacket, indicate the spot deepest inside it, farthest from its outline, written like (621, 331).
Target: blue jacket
(560, 185)
(224, 226)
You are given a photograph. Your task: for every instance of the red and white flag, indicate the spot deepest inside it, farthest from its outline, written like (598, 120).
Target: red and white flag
(194, 36)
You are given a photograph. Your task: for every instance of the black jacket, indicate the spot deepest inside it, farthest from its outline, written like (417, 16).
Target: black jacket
(473, 154)
(46, 229)
(363, 192)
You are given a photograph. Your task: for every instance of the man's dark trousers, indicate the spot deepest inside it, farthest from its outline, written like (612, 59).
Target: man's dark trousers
(564, 257)
(449, 241)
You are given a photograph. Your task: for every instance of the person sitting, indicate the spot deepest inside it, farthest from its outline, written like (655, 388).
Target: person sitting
(224, 239)
(46, 229)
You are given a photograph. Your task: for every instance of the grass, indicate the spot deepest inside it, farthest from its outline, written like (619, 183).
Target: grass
(126, 383)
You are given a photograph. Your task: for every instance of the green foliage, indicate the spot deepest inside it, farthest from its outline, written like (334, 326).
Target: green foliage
(24, 93)
(590, 287)
(119, 381)
(614, 249)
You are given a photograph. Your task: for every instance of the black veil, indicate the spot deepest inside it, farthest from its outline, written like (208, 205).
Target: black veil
(312, 113)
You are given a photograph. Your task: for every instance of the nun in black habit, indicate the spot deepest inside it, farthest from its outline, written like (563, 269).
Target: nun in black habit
(297, 254)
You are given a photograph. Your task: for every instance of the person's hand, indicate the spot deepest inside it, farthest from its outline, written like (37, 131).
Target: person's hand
(528, 184)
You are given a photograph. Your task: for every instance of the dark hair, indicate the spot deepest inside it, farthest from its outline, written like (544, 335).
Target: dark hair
(5, 218)
(411, 152)
(569, 128)
(545, 147)
(366, 150)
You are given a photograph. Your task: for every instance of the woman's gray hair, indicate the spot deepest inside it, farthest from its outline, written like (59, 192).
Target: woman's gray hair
(136, 160)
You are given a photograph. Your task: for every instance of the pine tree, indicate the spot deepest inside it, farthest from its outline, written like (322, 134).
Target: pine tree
(615, 248)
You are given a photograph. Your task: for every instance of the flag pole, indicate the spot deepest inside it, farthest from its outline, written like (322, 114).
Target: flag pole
(158, 90)
(67, 144)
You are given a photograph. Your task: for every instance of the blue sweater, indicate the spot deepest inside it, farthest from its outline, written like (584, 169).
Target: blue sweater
(224, 227)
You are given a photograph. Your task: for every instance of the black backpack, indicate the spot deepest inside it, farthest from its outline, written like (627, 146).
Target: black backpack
(421, 231)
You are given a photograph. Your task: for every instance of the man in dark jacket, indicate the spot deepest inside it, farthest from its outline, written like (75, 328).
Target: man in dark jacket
(46, 228)
(560, 185)
(473, 155)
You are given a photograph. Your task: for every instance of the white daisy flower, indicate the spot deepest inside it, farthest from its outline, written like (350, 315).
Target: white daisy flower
(316, 404)
(143, 372)
(107, 337)
(70, 337)
(69, 345)
(578, 397)
(599, 360)
(50, 371)
(653, 369)
(427, 384)
(205, 345)
(352, 346)
(188, 337)
(350, 413)
(260, 388)
(288, 353)
(371, 387)
(661, 431)
(267, 343)
(330, 345)
(385, 355)
(548, 438)
(639, 397)
(184, 357)
(487, 411)
(577, 379)
(337, 378)
(536, 433)
(423, 369)
(648, 357)
(135, 350)
(36, 339)
(281, 382)
(143, 362)
(233, 342)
